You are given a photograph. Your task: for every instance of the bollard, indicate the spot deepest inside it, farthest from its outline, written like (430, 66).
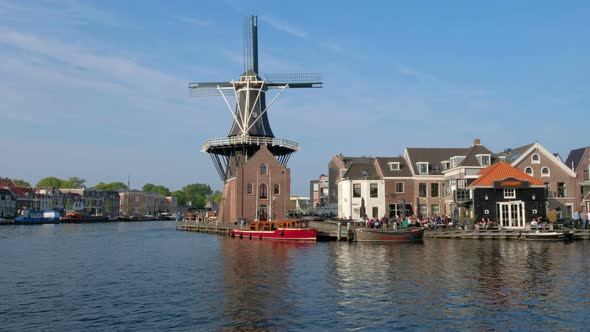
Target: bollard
(339, 230)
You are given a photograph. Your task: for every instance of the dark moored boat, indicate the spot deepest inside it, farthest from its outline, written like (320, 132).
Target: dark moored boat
(77, 218)
(388, 235)
(547, 235)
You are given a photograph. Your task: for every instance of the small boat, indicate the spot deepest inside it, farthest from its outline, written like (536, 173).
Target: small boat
(388, 235)
(78, 218)
(289, 230)
(30, 217)
(547, 235)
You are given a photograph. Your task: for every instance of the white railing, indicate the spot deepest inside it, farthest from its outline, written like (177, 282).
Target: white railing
(248, 140)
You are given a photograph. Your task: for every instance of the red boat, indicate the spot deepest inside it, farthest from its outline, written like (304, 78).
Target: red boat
(80, 218)
(289, 230)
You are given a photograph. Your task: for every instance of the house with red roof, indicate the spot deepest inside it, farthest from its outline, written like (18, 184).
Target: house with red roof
(508, 196)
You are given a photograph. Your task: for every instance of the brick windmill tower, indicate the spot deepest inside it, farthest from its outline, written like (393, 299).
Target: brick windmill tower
(251, 162)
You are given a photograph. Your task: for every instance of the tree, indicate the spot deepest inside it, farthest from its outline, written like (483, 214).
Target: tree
(197, 194)
(180, 197)
(113, 186)
(216, 196)
(74, 182)
(21, 183)
(158, 189)
(50, 181)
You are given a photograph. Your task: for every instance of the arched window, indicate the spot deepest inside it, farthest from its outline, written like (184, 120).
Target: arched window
(263, 169)
(535, 159)
(276, 189)
(263, 191)
(529, 170)
(249, 189)
(545, 171)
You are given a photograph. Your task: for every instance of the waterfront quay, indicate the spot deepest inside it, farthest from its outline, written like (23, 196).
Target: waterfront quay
(334, 231)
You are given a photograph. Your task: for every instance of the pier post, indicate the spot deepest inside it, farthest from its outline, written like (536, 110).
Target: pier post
(339, 230)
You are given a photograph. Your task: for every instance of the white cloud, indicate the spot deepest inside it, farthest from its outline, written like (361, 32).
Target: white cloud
(285, 27)
(192, 21)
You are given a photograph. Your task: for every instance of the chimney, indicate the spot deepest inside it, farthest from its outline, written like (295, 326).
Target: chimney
(476, 141)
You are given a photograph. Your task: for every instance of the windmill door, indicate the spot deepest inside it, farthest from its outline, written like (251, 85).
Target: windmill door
(263, 212)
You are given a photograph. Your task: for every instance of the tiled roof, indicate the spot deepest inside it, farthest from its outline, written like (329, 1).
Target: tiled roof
(500, 171)
(6, 183)
(404, 170)
(471, 156)
(511, 155)
(22, 191)
(433, 156)
(575, 157)
(360, 170)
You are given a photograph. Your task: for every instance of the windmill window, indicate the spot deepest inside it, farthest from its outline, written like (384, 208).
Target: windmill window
(545, 171)
(263, 169)
(249, 189)
(529, 170)
(535, 159)
(276, 189)
(263, 191)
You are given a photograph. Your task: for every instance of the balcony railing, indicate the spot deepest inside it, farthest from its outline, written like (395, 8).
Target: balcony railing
(248, 140)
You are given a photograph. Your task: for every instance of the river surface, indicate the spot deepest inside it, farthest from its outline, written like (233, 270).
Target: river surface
(150, 277)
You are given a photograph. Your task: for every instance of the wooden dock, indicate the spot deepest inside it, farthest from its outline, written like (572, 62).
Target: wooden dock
(579, 234)
(202, 227)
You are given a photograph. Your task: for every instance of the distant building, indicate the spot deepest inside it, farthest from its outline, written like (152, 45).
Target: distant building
(319, 191)
(94, 202)
(299, 204)
(7, 203)
(141, 203)
(578, 160)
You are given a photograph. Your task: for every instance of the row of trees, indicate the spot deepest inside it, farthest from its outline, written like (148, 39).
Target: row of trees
(194, 195)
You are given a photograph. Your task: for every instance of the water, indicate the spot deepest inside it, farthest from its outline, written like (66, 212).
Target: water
(148, 276)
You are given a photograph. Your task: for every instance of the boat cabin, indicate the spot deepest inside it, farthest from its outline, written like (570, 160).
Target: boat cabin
(274, 225)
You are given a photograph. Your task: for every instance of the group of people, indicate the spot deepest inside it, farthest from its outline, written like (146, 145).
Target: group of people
(400, 222)
(581, 219)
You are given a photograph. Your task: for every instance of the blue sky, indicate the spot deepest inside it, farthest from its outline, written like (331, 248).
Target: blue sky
(98, 89)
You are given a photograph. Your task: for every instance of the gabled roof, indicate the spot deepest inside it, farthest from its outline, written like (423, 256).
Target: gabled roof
(404, 170)
(6, 183)
(511, 155)
(361, 170)
(433, 156)
(471, 157)
(22, 192)
(500, 171)
(539, 147)
(574, 158)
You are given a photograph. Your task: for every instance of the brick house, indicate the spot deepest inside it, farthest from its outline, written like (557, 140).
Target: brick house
(7, 203)
(260, 190)
(560, 180)
(579, 161)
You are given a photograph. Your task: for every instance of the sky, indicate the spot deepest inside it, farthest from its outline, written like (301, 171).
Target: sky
(98, 89)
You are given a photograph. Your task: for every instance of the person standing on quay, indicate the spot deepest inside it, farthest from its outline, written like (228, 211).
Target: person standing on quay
(576, 218)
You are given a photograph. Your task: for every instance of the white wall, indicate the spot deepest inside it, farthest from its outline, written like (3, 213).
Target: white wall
(350, 206)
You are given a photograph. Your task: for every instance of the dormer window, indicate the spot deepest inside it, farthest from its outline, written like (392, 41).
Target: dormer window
(456, 161)
(445, 164)
(422, 167)
(393, 166)
(535, 159)
(484, 159)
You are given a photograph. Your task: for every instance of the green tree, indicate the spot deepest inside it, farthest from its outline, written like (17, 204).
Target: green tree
(112, 186)
(74, 182)
(180, 197)
(216, 196)
(21, 183)
(197, 194)
(158, 189)
(51, 181)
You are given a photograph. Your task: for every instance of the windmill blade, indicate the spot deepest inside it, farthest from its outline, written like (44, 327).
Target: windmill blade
(302, 80)
(251, 43)
(207, 89)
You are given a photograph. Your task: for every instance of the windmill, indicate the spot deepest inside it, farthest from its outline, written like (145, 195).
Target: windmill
(250, 128)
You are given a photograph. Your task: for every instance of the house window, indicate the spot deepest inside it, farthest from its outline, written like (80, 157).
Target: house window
(535, 159)
(373, 190)
(434, 190)
(561, 189)
(423, 208)
(249, 188)
(356, 190)
(587, 173)
(545, 171)
(529, 170)
(461, 184)
(484, 159)
(263, 169)
(509, 193)
(399, 187)
(422, 168)
(445, 164)
(276, 189)
(394, 166)
(375, 212)
(434, 209)
(422, 189)
(263, 191)
(456, 161)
